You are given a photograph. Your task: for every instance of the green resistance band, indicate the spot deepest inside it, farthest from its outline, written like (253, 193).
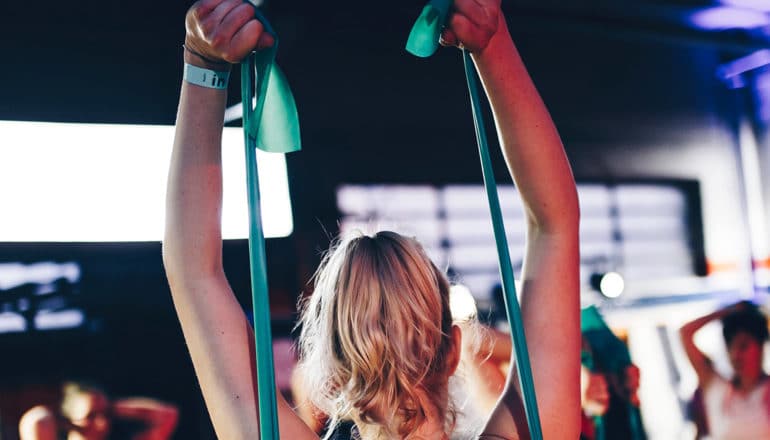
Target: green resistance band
(423, 42)
(612, 355)
(270, 123)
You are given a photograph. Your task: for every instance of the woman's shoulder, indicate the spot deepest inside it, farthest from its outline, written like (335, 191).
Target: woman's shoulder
(38, 414)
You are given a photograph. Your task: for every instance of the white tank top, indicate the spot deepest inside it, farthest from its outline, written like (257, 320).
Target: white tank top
(736, 416)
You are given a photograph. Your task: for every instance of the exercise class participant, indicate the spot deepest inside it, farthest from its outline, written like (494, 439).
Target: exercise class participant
(377, 342)
(736, 407)
(86, 413)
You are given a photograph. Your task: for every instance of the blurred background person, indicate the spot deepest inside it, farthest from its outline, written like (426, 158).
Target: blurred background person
(606, 396)
(86, 413)
(609, 383)
(736, 407)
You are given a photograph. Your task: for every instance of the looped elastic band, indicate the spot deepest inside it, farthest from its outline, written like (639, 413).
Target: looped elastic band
(424, 38)
(423, 42)
(269, 111)
(270, 123)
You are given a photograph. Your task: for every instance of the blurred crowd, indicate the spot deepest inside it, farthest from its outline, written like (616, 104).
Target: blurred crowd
(723, 407)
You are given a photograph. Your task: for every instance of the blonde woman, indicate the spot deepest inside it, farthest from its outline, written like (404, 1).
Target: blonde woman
(377, 335)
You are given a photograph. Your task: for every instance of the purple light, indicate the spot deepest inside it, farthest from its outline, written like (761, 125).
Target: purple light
(762, 91)
(759, 5)
(744, 64)
(725, 17)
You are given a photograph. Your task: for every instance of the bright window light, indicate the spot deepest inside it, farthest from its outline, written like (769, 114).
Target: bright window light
(12, 322)
(60, 319)
(397, 201)
(16, 274)
(750, 165)
(100, 182)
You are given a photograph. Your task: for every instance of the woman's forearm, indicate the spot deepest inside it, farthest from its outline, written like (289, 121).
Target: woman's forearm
(192, 244)
(530, 142)
(692, 327)
(550, 290)
(699, 361)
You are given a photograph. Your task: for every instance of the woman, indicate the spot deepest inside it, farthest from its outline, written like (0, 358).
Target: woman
(86, 413)
(737, 407)
(376, 335)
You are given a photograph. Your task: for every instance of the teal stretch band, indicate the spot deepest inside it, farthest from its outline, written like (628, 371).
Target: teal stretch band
(270, 123)
(423, 42)
(423, 39)
(269, 111)
(268, 414)
(513, 311)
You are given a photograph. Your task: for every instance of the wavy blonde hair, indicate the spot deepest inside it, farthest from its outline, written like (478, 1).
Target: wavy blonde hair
(376, 336)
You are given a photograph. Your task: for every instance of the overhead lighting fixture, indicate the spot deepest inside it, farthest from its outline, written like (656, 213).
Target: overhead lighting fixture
(754, 60)
(107, 183)
(610, 284)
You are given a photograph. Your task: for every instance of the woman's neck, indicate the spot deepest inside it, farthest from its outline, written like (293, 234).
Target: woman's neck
(430, 429)
(433, 426)
(426, 433)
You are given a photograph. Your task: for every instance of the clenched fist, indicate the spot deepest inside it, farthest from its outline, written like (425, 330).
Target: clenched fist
(223, 31)
(472, 24)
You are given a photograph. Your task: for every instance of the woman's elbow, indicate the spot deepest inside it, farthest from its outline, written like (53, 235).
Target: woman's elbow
(561, 218)
(564, 229)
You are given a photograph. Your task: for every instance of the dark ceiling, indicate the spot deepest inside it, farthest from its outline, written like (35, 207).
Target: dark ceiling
(118, 60)
(91, 42)
(608, 69)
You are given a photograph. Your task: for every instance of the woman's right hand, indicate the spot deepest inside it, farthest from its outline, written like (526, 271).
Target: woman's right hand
(223, 31)
(472, 24)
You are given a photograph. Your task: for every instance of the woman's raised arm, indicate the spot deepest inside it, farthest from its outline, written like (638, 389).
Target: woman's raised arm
(539, 166)
(219, 337)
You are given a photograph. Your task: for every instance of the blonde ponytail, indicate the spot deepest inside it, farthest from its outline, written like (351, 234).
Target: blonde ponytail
(376, 336)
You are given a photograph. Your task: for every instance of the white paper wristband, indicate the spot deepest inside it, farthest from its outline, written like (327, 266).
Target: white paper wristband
(205, 77)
